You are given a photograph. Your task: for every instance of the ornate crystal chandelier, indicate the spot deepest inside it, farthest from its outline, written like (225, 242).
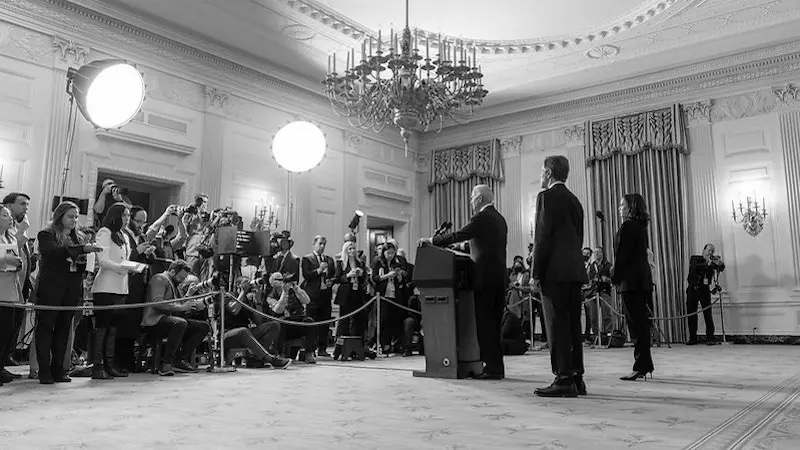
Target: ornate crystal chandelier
(399, 86)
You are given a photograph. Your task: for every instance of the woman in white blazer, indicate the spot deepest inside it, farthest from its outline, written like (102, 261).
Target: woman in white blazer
(110, 288)
(10, 290)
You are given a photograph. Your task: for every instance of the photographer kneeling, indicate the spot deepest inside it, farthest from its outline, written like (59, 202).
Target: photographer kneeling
(289, 301)
(258, 338)
(163, 321)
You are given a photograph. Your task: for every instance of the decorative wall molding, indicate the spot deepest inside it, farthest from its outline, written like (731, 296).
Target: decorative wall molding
(422, 162)
(352, 141)
(511, 147)
(697, 113)
(788, 96)
(70, 52)
(603, 52)
(216, 99)
(575, 135)
(146, 140)
(370, 191)
(741, 106)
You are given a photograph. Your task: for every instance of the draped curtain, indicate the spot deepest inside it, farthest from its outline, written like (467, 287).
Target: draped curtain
(454, 172)
(646, 153)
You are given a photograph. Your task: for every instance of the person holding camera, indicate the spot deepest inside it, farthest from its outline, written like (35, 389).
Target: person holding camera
(289, 301)
(351, 281)
(703, 273)
(243, 328)
(165, 321)
(318, 272)
(389, 275)
(109, 194)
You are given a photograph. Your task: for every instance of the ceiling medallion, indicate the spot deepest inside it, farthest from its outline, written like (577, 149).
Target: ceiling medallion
(393, 87)
(603, 52)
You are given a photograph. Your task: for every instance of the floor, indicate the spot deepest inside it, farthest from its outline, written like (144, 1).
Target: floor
(717, 397)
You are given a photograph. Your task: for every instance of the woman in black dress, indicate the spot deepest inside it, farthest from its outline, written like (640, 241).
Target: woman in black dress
(634, 280)
(61, 268)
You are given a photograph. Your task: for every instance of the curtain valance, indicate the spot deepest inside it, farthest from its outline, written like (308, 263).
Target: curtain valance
(482, 160)
(660, 130)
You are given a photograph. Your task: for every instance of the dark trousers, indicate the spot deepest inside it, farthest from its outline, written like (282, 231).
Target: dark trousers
(488, 318)
(391, 323)
(636, 311)
(53, 327)
(307, 333)
(353, 325)
(410, 326)
(320, 309)
(258, 340)
(562, 312)
(10, 322)
(182, 334)
(703, 296)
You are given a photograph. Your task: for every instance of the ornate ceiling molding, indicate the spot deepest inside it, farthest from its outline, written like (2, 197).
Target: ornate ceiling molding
(782, 67)
(575, 135)
(603, 52)
(216, 99)
(511, 147)
(697, 113)
(70, 52)
(351, 29)
(740, 106)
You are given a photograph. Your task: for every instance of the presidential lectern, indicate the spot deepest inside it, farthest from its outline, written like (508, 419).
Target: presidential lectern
(443, 278)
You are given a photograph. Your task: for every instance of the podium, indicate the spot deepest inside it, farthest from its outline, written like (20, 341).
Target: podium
(443, 278)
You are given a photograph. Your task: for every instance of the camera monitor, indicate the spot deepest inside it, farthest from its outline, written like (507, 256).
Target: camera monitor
(230, 240)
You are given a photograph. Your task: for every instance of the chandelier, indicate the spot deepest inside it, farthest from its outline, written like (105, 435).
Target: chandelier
(399, 86)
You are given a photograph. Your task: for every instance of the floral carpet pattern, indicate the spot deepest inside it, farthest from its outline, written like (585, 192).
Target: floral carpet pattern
(701, 397)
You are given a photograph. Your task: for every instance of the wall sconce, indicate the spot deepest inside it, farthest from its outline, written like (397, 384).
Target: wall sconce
(751, 215)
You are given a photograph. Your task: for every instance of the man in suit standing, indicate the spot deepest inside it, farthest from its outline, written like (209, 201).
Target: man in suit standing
(488, 235)
(558, 272)
(318, 275)
(285, 261)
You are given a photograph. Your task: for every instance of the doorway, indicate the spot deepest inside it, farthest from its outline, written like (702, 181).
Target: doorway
(152, 195)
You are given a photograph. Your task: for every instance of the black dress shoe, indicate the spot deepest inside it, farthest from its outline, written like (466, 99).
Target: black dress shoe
(6, 377)
(62, 379)
(558, 390)
(46, 380)
(12, 375)
(691, 342)
(636, 375)
(580, 385)
(488, 376)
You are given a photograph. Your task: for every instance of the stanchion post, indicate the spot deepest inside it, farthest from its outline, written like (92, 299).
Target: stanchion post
(722, 317)
(598, 340)
(221, 331)
(532, 318)
(378, 325)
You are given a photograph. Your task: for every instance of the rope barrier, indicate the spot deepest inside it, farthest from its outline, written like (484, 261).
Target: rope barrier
(683, 316)
(399, 305)
(36, 307)
(302, 324)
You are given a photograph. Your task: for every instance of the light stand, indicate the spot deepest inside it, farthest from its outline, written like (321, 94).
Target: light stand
(721, 310)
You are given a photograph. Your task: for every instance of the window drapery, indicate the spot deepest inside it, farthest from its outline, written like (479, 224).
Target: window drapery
(454, 172)
(645, 153)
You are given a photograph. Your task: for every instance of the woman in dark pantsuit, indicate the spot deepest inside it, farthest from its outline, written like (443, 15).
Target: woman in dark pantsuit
(351, 278)
(634, 280)
(61, 268)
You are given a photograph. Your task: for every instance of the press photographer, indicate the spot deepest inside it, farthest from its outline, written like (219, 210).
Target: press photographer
(703, 278)
(110, 194)
(165, 321)
(289, 301)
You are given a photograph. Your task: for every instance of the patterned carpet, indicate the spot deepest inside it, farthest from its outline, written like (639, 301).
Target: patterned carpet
(702, 397)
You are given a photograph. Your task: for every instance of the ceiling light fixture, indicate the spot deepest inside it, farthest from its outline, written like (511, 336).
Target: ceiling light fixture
(410, 95)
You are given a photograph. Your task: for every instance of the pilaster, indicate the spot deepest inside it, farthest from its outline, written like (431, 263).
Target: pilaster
(703, 217)
(511, 204)
(789, 116)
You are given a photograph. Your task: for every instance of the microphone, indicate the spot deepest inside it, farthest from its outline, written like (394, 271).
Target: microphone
(442, 228)
(600, 215)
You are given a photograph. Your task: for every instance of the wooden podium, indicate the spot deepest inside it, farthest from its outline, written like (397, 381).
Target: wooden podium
(443, 278)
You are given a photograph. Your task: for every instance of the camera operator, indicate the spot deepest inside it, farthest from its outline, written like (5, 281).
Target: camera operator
(703, 273)
(195, 218)
(110, 194)
(243, 328)
(164, 321)
(289, 301)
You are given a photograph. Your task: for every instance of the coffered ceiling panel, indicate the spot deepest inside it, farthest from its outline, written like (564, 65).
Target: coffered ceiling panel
(529, 50)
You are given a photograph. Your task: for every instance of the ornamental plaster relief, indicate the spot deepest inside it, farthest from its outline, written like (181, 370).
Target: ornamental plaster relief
(70, 53)
(511, 147)
(575, 135)
(741, 106)
(697, 113)
(788, 96)
(21, 43)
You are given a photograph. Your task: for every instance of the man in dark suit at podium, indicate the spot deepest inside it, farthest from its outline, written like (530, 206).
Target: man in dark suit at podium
(488, 235)
(558, 273)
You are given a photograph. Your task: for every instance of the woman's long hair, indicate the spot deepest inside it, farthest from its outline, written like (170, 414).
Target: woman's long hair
(9, 235)
(386, 246)
(345, 257)
(113, 221)
(57, 227)
(637, 209)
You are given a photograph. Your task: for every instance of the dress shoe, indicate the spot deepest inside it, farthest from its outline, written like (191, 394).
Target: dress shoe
(43, 379)
(580, 385)
(691, 342)
(6, 377)
(488, 376)
(12, 375)
(558, 390)
(62, 379)
(322, 353)
(636, 375)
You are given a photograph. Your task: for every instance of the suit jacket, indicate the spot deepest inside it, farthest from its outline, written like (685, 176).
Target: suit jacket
(345, 288)
(557, 247)
(111, 278)
(287, 264)
(54, 263)
(160, 288)
(487, 234)
(312, 280)
(631, 270)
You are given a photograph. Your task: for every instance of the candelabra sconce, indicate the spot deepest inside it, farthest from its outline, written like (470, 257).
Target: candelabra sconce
(751, 215)
(265, 217)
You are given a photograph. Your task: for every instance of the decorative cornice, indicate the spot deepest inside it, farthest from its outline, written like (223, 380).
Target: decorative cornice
(146, 140)
(511, 147)
(603, 52)
(216, 99)
(575, 135)
(70, 52)
(387, 194)
(352, 141)
(740, 106)
(697, 113)
(665, 92)
(631, 19)
(788, 96)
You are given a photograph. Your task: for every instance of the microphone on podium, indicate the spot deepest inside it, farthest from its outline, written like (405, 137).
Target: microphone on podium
(443, 228)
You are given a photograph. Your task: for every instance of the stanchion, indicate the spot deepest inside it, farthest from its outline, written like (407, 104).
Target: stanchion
(220, 368)
(532, 318)
(378, 327)
(722, 317)
(598, 339)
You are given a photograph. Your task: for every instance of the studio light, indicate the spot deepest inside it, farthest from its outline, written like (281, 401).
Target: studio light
(108, 92)
(355, 220)
(299, 146)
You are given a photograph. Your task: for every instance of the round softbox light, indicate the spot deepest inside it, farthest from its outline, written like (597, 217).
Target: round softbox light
(299, 146)
(109, 92)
